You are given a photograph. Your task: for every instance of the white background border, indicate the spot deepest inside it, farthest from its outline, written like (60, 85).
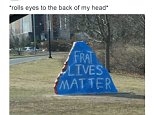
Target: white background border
(115, 7)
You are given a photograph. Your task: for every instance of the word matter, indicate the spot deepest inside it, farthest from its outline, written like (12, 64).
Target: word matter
(97, 83)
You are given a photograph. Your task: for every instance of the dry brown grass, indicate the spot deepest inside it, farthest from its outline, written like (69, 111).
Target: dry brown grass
(31, 93)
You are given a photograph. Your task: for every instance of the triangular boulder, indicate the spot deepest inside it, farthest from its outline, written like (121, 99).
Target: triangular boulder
(83, 73)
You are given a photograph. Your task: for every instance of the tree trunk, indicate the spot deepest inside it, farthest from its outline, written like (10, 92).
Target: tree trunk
(107, 47)
(107, 56)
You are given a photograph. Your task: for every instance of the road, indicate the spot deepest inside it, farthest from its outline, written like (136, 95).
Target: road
(29, 59)
(26, 59)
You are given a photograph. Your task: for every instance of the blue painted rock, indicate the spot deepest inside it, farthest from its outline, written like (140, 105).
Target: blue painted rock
(83, 73)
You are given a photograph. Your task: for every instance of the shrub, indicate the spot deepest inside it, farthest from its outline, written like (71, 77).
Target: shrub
(125, 58)
(58, 45)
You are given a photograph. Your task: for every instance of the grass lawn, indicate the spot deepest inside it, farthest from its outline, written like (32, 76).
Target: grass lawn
(31, 93)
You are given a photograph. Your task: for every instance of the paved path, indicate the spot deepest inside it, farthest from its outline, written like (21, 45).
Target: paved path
(26, 59)
(29, 59)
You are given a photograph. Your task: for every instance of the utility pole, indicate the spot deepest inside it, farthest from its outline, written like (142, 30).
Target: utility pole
(34, 33)
(49, 27)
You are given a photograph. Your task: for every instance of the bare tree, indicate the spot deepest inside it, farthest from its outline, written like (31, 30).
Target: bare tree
(100, 24)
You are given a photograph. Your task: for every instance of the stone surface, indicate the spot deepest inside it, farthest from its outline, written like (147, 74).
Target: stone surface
(83, 73)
